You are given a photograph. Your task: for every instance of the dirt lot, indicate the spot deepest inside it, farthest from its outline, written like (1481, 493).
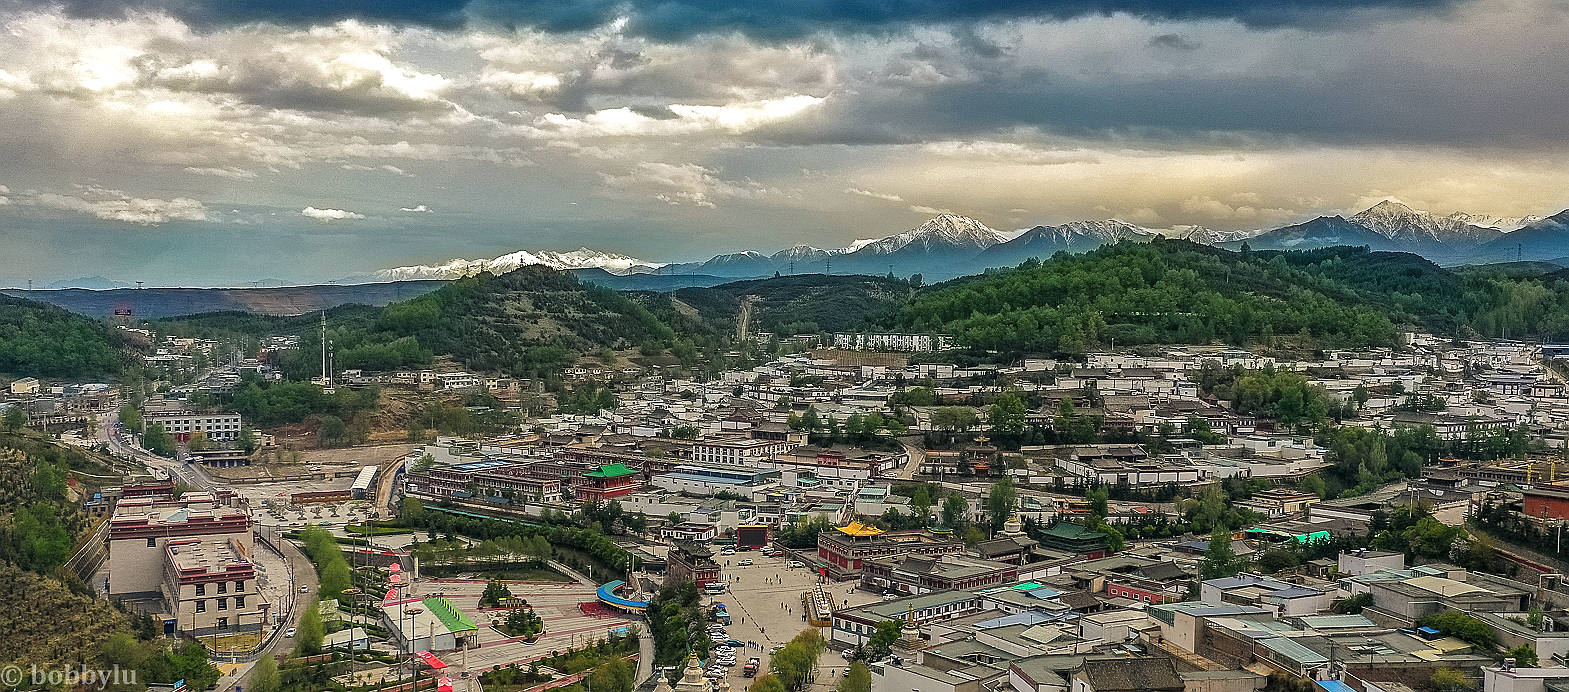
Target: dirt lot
(317, 462)
(892, 360)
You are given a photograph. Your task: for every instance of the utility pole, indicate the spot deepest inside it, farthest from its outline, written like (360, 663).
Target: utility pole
(324, 349)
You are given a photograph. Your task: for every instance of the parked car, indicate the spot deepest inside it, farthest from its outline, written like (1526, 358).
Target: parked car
(727, 551)
(796, 563)
(290, 632)
(743, 563)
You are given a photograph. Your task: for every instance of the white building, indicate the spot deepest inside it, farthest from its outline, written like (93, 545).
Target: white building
(893, 342)
(183, 424)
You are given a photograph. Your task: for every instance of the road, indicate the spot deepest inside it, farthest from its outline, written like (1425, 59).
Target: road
(917, 457)
(301, 571)
(645, 637)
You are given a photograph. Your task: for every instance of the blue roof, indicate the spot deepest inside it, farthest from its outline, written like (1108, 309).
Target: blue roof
(1428, 630)
(1043, 593)
(1334, 686)
(607, 594)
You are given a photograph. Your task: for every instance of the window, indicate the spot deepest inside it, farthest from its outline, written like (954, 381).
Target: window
(223, 623)
(152, 542)
(201, 589)
(223, 604)
(239, 602)
(223, 587)
(201, 606)
(239, 585)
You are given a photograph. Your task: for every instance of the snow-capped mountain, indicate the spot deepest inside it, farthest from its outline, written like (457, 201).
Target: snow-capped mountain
(1547, 239)
(1206, 236)
(1074, 236)
(945, 231)
(1401, 223)
(950, 245)
(806, 253)
(1502, 223)
(581, 258)
(1324, 231)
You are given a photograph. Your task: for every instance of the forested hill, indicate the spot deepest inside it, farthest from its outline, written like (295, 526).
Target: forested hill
(534, 320)
(807, 303)
(45, 341)
(1179, 292)
(528, 321)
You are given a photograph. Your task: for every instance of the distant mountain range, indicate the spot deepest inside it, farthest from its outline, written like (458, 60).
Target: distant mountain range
(951, 245)
(154, 303)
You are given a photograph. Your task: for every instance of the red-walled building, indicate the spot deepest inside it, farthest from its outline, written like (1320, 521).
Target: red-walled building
(1547, 502)
(606, 482)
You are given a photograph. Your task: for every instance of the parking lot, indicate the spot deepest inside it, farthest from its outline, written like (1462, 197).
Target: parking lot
(764, 601)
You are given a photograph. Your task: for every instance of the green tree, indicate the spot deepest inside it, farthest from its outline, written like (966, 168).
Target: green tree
(412, 511)
(495, 593)
(1006, 415)
(130, 417)
(921, 504)
(1352, 605)
(264, 675)
(1000, 501)
(1278, 559)
(158, 440)
(1219, 560)
(247, 440)
(309, 635)
(1099, 507)
(795, 662)
(954, 507)
(1524, 656)
(15, 418)
(881, 641)
(1461, 626)
(200, 442)
(1452, 680)
(857, 679)
(767, 682)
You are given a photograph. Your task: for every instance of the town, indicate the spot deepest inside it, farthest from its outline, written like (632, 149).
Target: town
(1154, 518)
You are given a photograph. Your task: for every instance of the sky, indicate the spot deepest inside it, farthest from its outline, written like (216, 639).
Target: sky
(204, 142)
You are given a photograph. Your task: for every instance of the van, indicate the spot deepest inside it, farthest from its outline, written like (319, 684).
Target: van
(714, 587)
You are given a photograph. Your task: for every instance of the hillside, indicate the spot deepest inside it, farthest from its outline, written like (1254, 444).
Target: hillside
(534, 320)
(526, 322)
(804, 303)
(1172, 291)
(155, 303)
(45, 341)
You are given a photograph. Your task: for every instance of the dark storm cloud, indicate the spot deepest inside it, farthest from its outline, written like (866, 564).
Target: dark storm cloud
(677, 19)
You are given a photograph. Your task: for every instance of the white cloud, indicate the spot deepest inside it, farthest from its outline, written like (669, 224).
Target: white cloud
(418, 209)
(115, 205)
(874, 195)
(329, 214)
(686, 184)
(687, 119)
(521, 84)
(230, 172)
